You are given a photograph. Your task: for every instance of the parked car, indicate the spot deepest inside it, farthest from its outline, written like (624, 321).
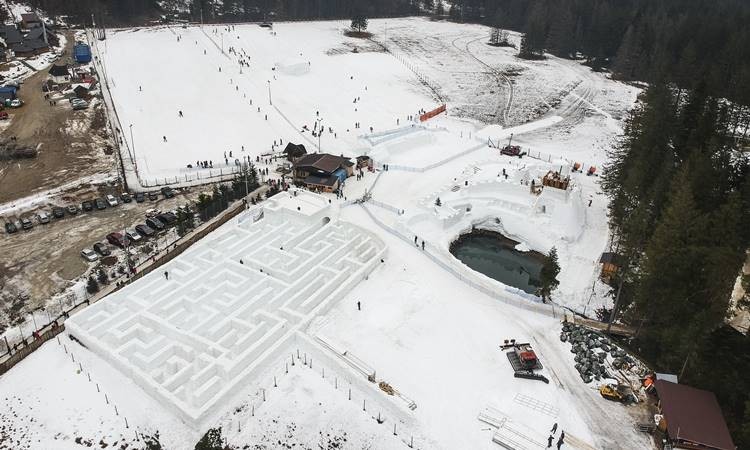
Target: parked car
(102, 249)
(79, 104)
(72, 210)
(152, 212)
(125, 197)
(43, 217)
(155, 223)
(58, 212)
(4, 115)
(89, 255)
(167, 191)
(153, 196)
(145, 230)
(16, 103)
(168, 218)
(140, 197)
(100, 203)
(87, 206)
(118, 239)
(26, 223)
(10, 227)
(133, 235)
(111, 200)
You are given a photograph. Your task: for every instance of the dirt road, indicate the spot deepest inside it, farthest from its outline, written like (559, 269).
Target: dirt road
(71, 143)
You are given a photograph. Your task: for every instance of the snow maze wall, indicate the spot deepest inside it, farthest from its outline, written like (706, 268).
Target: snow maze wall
(193, 341)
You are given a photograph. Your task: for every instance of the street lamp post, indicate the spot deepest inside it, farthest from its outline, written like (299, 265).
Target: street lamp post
(49, 317)
(132, 144)
(320, 131)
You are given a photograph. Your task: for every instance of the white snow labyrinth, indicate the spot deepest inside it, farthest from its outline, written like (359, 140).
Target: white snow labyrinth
(230, 303)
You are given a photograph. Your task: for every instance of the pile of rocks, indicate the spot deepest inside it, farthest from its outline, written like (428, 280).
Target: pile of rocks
(592, 349)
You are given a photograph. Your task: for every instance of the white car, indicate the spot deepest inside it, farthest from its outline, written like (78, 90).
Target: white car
(16, 103)
(133, 235)
(111, 200)
(89, 255)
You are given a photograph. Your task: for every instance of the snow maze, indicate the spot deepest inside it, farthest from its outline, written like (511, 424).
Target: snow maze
(230, 303)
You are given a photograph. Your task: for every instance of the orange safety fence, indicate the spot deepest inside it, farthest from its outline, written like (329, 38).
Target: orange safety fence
(431, 114)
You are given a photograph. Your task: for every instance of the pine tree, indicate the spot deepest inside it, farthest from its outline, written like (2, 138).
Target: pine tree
(102, 277)
(92, 286)
(359, 20)
(532, 43)
(548, 275)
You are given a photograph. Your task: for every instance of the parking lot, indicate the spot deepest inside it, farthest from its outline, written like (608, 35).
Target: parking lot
(35, 264)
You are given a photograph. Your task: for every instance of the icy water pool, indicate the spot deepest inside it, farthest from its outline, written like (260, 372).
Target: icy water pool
(495, 255)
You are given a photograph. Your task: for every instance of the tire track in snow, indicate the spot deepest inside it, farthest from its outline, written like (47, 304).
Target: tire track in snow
(500, 78)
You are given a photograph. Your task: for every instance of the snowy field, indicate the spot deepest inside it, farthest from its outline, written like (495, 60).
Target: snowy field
(244, 89)
(212, 346)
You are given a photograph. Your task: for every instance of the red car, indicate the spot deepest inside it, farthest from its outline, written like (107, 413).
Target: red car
(118, 239)
(3, 115)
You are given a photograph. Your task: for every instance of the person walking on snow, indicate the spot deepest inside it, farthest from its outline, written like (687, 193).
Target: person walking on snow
(165, 138)
(549, 441)
(554, 427)
(166, 274)
(359, 306)
(423, 244)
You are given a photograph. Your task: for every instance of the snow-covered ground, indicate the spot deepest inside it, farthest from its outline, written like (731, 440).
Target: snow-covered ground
(428, 326)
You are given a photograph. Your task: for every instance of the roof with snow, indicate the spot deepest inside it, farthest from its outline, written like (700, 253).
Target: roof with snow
(693, 416)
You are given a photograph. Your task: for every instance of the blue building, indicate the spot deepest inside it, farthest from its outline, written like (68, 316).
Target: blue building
(82, 53)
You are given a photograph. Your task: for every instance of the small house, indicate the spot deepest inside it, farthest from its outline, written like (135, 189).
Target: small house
(294, 151)
(364, 161)
(322, 171)
(59, 74)
(29, 48)
(30, 20)
(610, 265)
(691, 418)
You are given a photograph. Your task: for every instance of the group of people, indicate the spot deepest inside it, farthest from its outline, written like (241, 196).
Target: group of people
(560, 440)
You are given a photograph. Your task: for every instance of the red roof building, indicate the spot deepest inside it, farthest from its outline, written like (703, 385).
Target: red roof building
(692, 418)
